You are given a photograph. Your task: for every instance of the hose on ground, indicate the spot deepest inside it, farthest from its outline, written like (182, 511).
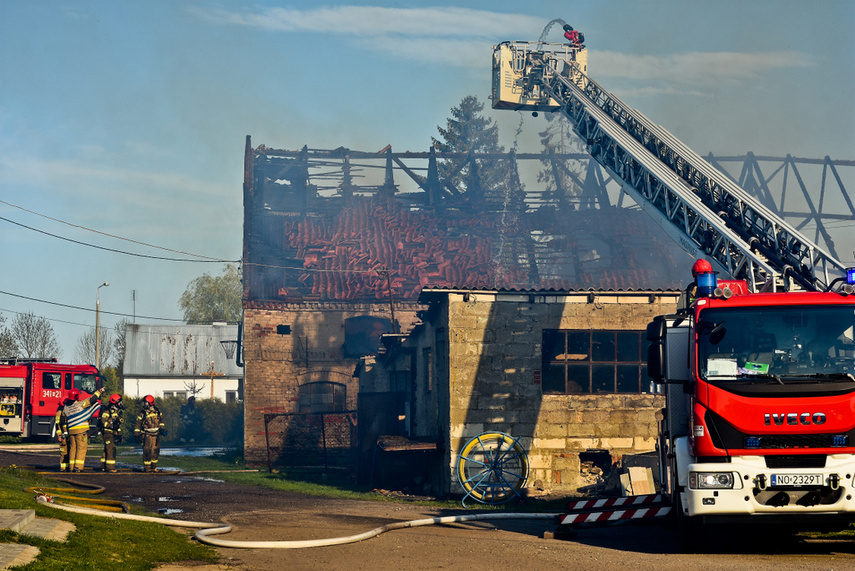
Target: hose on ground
(208, 529)
(68, 499)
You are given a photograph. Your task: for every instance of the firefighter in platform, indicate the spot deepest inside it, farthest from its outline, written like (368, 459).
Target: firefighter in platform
(147, 431)
(111, 432)
(75, 415)
(61, 428)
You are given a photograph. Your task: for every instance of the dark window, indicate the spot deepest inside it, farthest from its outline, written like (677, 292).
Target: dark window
(322, 396)
(85, 382)
(428, 369)
(593, 362)
(52, 381)
(402, 381)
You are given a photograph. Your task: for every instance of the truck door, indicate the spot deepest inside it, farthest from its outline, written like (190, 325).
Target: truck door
(46, 399)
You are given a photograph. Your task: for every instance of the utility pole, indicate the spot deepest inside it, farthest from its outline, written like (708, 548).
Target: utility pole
(98, 325)
(386, 272)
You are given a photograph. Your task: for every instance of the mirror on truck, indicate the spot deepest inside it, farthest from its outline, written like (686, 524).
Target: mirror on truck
(668, 350)
(656, 350)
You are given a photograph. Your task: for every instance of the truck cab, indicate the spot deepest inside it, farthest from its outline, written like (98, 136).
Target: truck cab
(31, 392)
(760, 404)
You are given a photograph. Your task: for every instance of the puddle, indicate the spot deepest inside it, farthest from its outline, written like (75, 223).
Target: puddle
(196, 451)
(169, 511)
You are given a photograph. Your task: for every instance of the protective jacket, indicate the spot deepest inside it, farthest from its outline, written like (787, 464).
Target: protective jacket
(77, 414)
(149, 421)
(111, 421)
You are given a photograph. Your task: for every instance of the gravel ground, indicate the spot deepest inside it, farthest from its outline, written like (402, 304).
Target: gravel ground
(258, 514)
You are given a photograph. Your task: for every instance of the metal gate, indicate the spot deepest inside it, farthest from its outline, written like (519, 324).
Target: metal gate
(320, 440)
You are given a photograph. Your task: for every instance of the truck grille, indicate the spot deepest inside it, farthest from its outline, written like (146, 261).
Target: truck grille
(793, 461)
(792, 441)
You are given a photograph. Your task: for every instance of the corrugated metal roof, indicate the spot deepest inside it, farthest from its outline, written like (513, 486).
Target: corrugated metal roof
(179, 350)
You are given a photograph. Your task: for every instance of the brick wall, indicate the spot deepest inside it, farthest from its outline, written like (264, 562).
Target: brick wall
(276, 365)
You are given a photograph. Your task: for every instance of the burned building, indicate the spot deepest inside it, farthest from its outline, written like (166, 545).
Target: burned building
(339, 244)
(561, 372)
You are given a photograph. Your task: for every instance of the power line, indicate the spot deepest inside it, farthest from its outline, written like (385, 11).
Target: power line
(208, 258)
(113, 249)
(50, 319)
(87, 308)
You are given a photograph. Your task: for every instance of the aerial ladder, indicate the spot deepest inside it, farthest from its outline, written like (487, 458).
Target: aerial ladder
(698, 206)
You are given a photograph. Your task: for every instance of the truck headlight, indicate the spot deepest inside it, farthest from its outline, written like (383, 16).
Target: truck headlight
(710, 480)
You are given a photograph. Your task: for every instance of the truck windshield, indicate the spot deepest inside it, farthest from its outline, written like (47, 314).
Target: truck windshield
(777, 343)
(86, 382)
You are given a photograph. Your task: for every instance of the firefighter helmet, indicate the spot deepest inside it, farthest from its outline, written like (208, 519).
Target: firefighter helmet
(701, 267)
(115, 398)
(149, 400)
(73, 394)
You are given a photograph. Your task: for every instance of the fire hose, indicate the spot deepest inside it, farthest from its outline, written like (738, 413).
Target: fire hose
(206, 529)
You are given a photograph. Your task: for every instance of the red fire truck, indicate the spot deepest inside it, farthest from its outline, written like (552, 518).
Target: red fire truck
(31, 391)
(760, 413)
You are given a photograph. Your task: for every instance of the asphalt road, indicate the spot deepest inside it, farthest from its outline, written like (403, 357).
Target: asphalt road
(264, 515)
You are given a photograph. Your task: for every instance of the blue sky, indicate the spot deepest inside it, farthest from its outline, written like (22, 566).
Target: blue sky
(130, 119)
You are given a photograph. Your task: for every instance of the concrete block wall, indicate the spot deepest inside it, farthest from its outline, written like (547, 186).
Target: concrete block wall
(494, 372)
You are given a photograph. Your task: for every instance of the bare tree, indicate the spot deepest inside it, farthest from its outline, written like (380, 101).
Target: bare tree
(34, 337)
(8, 348)
(193, 388)
(119, 344)
(85, 350)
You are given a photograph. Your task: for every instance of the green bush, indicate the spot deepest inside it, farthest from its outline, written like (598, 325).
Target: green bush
(220, 423)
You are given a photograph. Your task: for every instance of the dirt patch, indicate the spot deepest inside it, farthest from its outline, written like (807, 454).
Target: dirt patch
(259, 514)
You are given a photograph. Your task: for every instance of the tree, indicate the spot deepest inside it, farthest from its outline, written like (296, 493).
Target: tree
(208, 298)
(85, 350)
(119, 345)
(558, 138)
(467, 130)
(112, 382)
(34, 337)
(8, 348)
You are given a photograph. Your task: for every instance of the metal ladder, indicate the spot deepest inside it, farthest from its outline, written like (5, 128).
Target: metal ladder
(702, 209)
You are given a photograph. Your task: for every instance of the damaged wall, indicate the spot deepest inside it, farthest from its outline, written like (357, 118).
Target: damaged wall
(322, 254)
(489, 377)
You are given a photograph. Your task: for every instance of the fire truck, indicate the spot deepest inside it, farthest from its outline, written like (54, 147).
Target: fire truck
(758, 366)
(760, 403)
(31, 391)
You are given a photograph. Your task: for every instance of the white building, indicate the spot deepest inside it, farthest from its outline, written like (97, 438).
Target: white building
(183, 361)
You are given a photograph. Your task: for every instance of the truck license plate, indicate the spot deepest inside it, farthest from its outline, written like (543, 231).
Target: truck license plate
(797, 480)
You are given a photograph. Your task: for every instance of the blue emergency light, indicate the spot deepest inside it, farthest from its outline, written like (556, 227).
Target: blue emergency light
(850, 276)
(752, 442)
(707, 283)
(839, 440)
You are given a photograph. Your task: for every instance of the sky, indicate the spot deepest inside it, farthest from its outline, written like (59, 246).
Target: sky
(123, 124)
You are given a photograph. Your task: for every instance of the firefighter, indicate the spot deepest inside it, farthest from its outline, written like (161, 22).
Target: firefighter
(111, 432)
(61, 427)
(75, 416)
(147, 431)
(701, 266)
(189, 421)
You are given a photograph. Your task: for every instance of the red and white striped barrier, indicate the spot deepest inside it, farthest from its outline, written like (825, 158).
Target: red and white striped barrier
(626, 501)
(609, 516)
